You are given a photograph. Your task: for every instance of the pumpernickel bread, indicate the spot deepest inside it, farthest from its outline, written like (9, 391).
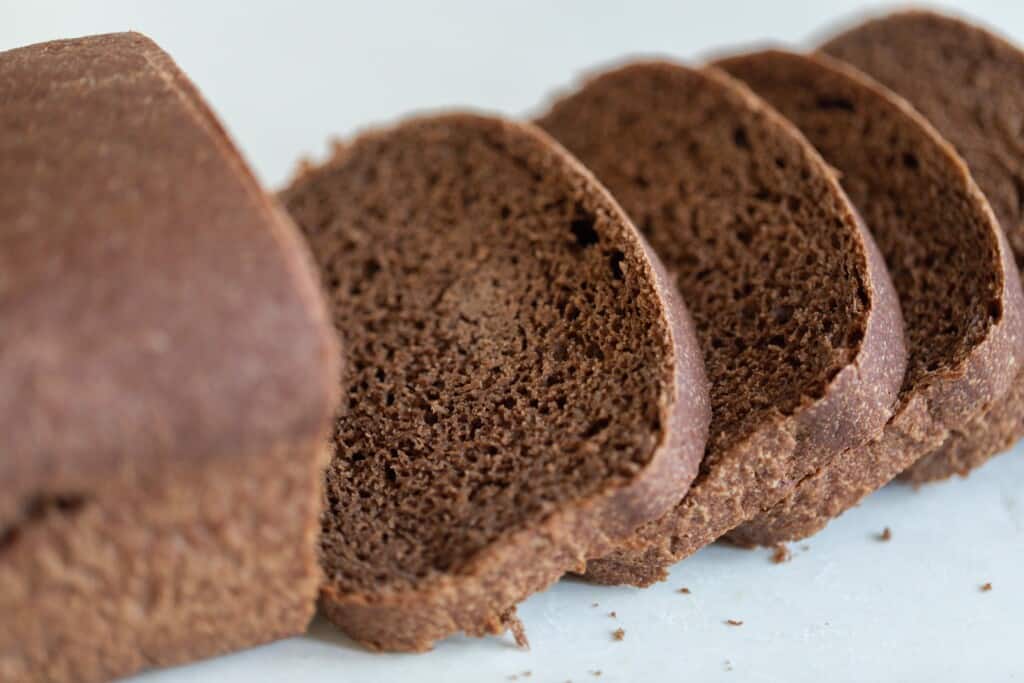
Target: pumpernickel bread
(968, 83)
(797, 317)
(526, 386)
(167, 375)
(953, 272)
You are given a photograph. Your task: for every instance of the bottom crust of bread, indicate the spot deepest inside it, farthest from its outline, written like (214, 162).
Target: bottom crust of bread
(160, 570)
(976, 443)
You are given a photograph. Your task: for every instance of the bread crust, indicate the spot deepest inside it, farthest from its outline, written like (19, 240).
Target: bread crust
(964, 79)
(936, 403)
(760, 469)
(171, 338)
(479, 597)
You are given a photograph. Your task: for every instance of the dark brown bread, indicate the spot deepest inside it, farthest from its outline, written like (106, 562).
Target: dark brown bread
(527, 388)
(167, 375)
(798, 320)
(969, 84)
(952, 269)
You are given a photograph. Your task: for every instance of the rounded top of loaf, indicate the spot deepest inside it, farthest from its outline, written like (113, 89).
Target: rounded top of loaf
(156, 306)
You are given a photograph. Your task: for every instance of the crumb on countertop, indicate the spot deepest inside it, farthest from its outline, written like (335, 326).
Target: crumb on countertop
(596, 673)
(619, 634)
(684, 591)
(986, 587)
(613, 615)
(734, 622)
(886, 535)
(781, 554)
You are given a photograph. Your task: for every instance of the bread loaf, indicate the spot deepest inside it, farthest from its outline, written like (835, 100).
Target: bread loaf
(953, 271)
(967, 83)
(526, 387)
(167, 375)
(796, 314)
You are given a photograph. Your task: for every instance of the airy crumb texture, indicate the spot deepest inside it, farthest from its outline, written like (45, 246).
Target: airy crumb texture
(943, 246)
(516, 361)
(967, 82)
(769, 257)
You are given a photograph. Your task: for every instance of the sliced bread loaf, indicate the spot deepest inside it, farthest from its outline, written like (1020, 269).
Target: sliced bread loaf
(969, 84)
(526, 386)
(952, 269)
(168, 375)
(797, 317)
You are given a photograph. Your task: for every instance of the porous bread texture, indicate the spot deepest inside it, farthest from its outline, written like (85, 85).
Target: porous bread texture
(166, 399)
(967, 82)
(526, 387)
(797, 318)
(945, 255)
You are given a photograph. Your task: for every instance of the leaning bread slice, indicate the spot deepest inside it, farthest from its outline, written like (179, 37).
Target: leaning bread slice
(526, 388)
(798, 320)
(951, 266)
(969, 84)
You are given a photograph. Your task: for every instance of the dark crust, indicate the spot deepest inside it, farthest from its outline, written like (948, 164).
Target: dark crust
(855, 406)
(937, 404)
(973, 444)
(114, 342)
(149, 276)
(480, 598)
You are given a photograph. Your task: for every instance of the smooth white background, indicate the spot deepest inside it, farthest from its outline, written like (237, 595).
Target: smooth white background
(286, 76)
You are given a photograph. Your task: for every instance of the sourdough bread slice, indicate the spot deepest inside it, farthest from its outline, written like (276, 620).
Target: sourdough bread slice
(797, 317)
(527, 387)
(951, 266)
(969, 84)
(168, 375)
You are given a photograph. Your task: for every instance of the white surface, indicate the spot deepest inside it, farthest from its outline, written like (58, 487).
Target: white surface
(285, 76)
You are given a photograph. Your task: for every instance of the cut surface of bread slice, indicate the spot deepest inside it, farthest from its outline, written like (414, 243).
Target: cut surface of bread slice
(168, 375)
(969, 83)
(797, 317)
(952, 269)
(527, 387)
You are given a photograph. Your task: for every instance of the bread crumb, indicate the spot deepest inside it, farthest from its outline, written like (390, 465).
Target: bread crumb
(596, 673)
(986, 587)
(527, 674)
(512, 623)
(734, 622)
(613, 615)
(619, 634)
(684, 591)
(781, 554)
(886, 535)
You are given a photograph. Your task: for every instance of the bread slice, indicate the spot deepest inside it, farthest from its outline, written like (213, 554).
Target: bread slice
(968, 83)
(167, 375)
(951, 266)
(527, 387)
(798, 320)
